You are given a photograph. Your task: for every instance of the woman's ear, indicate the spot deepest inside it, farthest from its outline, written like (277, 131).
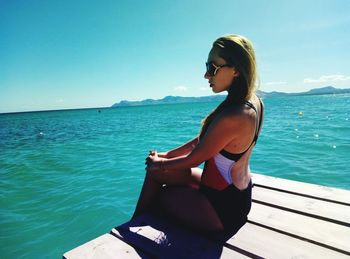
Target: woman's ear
(236, 73)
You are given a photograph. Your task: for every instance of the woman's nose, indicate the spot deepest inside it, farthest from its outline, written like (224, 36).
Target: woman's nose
(206, 75)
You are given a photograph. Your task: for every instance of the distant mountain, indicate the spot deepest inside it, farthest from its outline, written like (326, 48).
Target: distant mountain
(327, 90)
(171, 100)
(218, 98)
(316, 91)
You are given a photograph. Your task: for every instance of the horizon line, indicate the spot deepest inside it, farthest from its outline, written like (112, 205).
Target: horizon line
(104, 107)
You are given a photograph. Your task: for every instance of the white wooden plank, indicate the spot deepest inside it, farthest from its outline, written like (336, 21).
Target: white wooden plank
(163, 240)
(106, 246)
(269, 244)
(304, 188)
(308, 205)
(318, 230)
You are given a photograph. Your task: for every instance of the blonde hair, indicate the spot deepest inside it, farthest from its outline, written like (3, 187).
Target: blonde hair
(238, 52)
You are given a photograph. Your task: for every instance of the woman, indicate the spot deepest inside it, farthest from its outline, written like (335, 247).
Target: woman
(217, 198)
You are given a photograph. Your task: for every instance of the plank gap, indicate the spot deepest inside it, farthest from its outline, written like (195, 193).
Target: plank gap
(346, 224)
(300, 237)
(242, 251)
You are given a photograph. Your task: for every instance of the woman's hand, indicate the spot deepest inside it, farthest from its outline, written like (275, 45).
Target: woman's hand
(153, 161)
(161, 154)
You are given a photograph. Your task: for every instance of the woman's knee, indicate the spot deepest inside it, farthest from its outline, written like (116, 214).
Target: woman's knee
(154, 175)
(191, 176)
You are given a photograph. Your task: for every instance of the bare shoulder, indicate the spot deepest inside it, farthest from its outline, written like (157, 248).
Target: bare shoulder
(240, 117)
(240, 114)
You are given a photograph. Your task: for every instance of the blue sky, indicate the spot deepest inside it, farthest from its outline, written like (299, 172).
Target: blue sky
(77, 54)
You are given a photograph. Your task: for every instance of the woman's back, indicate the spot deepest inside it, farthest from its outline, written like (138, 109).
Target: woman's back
(230, 165)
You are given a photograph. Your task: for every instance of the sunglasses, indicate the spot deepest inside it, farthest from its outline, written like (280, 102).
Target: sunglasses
(212, 69)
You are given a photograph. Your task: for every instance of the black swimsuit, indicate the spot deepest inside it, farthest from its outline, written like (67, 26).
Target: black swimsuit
(231, 204)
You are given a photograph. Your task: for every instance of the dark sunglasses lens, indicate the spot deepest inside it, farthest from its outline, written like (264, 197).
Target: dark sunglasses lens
(210, 68)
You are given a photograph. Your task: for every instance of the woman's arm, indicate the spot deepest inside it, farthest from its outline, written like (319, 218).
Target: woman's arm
(181, 150)
(220, 133)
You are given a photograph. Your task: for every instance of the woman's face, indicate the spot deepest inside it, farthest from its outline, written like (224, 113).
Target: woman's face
(224, 76)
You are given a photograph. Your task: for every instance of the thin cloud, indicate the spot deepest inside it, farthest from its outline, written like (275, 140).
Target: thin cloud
(275, 83)
(204, 88)
(180, 88)
(326, 24)
(326, 79)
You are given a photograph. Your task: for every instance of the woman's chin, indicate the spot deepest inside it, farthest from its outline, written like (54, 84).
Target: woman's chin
(215, 90)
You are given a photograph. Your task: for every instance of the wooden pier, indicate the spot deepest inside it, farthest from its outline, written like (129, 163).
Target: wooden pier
(288, 219)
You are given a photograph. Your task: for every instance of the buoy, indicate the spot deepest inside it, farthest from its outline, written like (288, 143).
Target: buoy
(300, 114)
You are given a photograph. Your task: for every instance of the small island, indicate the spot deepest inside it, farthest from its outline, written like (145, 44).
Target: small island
(218, 98)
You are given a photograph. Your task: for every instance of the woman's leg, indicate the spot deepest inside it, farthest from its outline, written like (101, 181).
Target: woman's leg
(190, 207)
(155, 179)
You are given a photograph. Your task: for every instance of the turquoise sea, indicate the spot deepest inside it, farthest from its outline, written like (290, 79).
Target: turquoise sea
(67, 177)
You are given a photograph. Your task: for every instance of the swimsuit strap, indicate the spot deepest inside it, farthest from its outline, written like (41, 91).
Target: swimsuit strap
(236, 157)
(251, 106)
(260, 122)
